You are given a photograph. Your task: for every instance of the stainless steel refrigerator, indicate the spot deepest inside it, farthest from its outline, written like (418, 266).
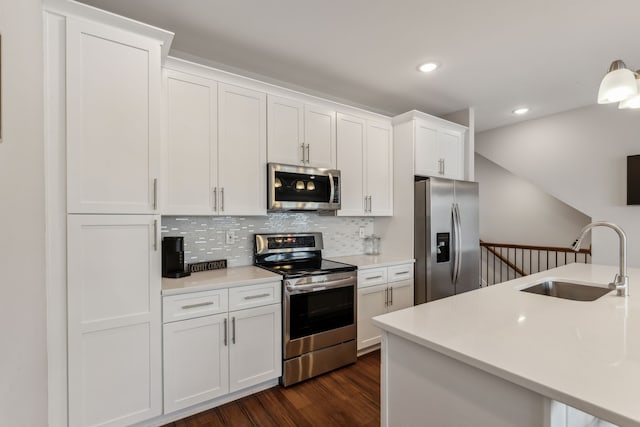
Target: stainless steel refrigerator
(447, 241)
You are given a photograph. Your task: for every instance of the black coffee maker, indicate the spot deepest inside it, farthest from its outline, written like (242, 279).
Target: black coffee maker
(173, 257)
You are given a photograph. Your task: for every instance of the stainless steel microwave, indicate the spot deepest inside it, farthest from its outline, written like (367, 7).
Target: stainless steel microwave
(302, 188)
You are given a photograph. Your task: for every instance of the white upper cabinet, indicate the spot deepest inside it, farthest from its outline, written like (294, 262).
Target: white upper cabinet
(190, 145)
(285, 131)
(242, 146)
(214, 147)
(300, 134)
(439, 148)
(379, 168)
(365, 160)
(113, 119)
(320, 136)
(351, 140)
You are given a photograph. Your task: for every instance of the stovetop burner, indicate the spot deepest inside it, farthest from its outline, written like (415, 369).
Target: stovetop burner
(295, 255)
(292, 270)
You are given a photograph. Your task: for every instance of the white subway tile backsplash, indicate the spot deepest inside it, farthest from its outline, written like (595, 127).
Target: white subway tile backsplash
(205, 237)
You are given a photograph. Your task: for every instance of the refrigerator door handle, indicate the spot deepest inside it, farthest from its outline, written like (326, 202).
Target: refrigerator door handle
(458, 241)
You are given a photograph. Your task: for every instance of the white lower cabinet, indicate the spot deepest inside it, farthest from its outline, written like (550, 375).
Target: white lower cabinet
(381, 290)
(196, 361)
(255, 350)
(211, 352)
(114, 335)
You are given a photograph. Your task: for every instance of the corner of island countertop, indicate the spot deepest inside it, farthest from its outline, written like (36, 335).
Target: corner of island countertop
(539, 342)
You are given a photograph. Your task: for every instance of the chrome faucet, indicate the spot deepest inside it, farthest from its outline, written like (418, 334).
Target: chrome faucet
(621, 281)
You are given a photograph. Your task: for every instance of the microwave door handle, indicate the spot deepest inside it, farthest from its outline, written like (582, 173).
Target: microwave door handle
(332, 185)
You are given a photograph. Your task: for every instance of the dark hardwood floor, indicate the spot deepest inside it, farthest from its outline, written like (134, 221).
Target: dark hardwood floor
(349, 396)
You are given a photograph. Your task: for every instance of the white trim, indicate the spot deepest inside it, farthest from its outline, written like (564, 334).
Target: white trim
(415, 114)
(55, 214)
(83, 11)
(192, 410)
(209, 72)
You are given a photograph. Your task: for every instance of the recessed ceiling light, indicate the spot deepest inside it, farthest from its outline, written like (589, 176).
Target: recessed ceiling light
(520, 111)
(428, 67)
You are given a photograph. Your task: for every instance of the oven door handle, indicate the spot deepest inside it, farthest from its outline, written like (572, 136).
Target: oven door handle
(320, 286)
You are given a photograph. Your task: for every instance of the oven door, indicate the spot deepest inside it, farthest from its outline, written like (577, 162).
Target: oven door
(319, 311)
(302, 188)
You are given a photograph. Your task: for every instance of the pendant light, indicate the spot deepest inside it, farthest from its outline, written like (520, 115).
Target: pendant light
(634, 101)
(618, 84)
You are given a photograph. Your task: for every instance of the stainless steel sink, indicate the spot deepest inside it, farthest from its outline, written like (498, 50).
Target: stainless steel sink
(567, 290)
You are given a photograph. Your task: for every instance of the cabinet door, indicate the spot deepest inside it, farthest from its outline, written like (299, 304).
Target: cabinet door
(196, 361)
(379, 169)
(114, 329)
(451, 149)
(427, 149)
(113, 120)
(350, 143)
(256, 346)
(285, 131)
(401, 295)
(242, 147)
(320, 136)
(190, 154)
(371, 302)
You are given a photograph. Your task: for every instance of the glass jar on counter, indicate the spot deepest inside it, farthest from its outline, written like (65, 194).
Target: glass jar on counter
(372, 245)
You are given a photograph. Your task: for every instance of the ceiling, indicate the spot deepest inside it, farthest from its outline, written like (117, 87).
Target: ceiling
(496, 55)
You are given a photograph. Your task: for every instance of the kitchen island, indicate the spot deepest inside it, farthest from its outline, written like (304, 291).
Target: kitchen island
(501, 357)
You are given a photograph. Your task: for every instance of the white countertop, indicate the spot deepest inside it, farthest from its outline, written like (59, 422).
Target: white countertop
(215, 279)
(584, 354)
(372, 261)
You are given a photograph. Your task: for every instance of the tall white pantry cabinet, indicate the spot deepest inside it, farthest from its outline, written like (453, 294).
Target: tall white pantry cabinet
(102, 104)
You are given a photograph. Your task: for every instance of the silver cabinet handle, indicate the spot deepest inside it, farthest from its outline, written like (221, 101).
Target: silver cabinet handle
(370, 203)
(303, 158)
(365, 203)
(155, 194)
(256, 296)
(233, 330)
(215, 199)
(373, 277)
(386, 297)
(390, 296)
(155, 234)
(401, 272)
(200, 304)
(222, 199)
(444, 164)
(225, 332)
(308, 154)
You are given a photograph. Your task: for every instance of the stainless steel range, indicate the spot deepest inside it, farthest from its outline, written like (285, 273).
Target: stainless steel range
(319, 304)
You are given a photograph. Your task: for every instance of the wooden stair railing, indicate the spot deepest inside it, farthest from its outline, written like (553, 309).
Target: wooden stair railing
(495, 265)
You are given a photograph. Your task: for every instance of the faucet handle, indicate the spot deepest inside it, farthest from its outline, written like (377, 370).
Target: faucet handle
(621, 284)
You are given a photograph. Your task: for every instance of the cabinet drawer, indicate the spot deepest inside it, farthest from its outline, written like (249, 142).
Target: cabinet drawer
(373, 276)
(400, 272)
(196, 304)
(242, 297)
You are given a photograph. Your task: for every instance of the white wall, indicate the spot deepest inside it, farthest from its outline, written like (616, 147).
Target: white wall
(512, 210)
(23, 356)
(579, 157)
